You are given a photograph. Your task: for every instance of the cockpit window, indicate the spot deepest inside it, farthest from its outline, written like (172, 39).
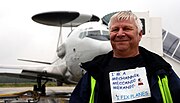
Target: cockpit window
(99, 35)
(82, 35)
(105, 32)
(95, 34)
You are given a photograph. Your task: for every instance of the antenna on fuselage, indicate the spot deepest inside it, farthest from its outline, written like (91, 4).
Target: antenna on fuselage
(60, 37)
(55, 19)
(63, 19)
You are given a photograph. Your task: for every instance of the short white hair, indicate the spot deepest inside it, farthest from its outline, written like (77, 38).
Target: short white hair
(124, 15)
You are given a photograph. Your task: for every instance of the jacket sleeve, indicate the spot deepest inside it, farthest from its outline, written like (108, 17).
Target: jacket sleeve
(173, 82)
(81, 93)
(174, 86)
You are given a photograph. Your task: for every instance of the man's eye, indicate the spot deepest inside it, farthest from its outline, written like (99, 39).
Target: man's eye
(115, 29)
(127, 28)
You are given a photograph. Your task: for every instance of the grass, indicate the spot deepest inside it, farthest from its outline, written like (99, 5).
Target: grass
(49, 84)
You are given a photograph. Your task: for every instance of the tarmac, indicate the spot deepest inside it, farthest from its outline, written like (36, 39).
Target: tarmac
(58, 94)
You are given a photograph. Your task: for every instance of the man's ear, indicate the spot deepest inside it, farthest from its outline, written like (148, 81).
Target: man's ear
(140, 35)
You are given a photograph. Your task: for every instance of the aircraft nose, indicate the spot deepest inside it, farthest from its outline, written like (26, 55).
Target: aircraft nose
(105, 47)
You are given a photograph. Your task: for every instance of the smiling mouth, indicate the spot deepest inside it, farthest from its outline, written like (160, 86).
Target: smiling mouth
(121, 40)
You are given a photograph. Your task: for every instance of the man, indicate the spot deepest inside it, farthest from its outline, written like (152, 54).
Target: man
(129, 73)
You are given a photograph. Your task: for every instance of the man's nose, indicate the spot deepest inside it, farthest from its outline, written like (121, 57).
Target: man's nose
(120, 32)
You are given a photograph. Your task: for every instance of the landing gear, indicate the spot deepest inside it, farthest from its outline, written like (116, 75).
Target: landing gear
(59, 83)
(40, 88)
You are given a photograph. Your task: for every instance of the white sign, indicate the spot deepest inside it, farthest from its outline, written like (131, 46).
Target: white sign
(128, 85)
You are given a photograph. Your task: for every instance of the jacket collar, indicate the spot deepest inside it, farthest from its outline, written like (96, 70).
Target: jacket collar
(152, 60)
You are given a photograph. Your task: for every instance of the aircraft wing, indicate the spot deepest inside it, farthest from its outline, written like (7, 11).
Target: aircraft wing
(32, 73)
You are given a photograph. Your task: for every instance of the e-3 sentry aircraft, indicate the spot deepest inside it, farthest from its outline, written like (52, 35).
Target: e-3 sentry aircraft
(88, 38)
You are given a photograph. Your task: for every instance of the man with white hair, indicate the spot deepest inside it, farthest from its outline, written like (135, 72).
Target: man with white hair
(129, 73)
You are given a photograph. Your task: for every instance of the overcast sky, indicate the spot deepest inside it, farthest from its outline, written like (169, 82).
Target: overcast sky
(20, 37)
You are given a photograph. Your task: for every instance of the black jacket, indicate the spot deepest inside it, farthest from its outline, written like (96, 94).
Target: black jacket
(156, 64)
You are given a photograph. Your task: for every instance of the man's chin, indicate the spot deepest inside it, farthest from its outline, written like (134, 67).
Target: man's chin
(122, 48)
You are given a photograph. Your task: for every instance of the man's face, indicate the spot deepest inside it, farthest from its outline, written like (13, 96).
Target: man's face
(124, 36)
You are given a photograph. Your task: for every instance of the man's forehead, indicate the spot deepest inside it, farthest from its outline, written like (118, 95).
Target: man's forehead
(124, 22)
